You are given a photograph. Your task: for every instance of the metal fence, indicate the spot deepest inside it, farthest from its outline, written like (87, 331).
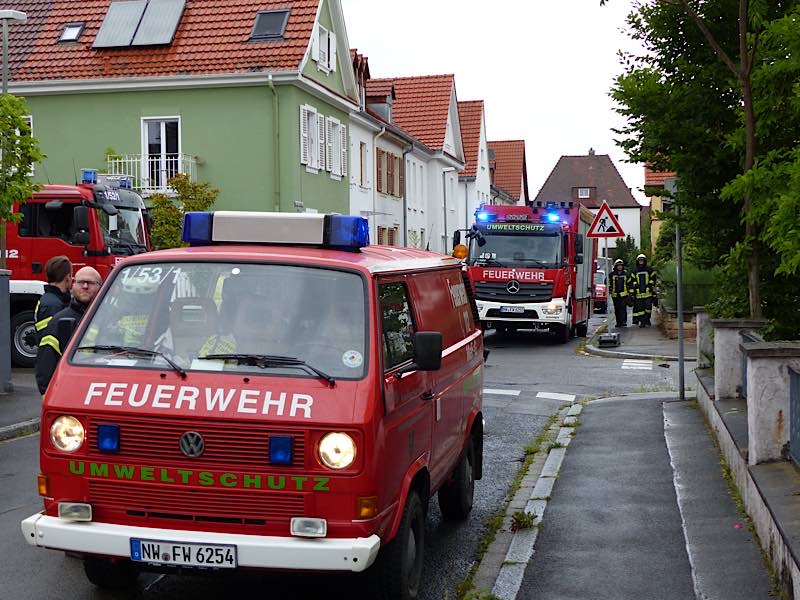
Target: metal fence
(794, 415)
(151, 173)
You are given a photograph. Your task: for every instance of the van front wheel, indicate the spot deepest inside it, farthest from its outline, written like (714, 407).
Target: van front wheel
(456, 496)
(110, 575)
(399, 572)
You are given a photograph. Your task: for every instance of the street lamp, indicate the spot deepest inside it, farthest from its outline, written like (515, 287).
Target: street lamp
(6, 16)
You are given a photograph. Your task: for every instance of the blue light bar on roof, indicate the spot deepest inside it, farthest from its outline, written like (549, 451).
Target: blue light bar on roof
(552, 217)
(482, 216)
(89, 176)
(291, 229)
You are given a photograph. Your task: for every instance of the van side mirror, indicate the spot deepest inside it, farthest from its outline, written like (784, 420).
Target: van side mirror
(579, 259)
(80, 218)
(65, 328)
(456, 238)
(428, 350)
(579, 244)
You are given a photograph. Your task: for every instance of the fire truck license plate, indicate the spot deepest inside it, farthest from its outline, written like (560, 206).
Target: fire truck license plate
(216, 556)
(512, 309)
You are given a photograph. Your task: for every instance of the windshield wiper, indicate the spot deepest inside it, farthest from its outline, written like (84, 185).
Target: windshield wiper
(142, 351)
(534, 260)
(267, 361)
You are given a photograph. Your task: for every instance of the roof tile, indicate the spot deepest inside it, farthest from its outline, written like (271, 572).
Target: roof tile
(510, 170)
(470, 116)
(588, 171)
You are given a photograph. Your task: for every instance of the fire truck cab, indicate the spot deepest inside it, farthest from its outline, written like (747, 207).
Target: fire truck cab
(94, 224)
(279, 395)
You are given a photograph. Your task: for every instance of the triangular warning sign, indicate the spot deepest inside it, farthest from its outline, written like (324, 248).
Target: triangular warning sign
(605, 224)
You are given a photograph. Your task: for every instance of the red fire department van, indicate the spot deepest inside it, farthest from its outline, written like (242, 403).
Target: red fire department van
(279, 395)
(531, 267)
(92, 224)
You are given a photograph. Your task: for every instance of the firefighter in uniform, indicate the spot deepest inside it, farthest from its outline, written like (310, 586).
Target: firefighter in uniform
(56, 295)
(642, 288)
(618, 287)
(84, 289)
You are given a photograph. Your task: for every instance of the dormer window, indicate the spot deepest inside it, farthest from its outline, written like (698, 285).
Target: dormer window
(584, 193)
(323, 49)
(270, 25)
(71, 32)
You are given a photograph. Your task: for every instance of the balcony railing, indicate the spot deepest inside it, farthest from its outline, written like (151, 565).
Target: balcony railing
(151, 172)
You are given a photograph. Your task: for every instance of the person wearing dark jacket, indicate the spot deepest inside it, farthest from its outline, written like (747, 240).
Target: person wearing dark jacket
(84, 289)
(56, 295)
(618, 288)
(642, 287)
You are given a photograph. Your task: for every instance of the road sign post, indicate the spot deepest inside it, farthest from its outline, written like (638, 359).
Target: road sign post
(671, 187)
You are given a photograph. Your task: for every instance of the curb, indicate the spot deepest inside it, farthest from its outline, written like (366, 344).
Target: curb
(19, 429)
(590, 348)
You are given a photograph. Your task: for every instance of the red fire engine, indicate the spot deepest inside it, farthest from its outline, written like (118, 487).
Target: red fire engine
(92, 224)
(531, 267)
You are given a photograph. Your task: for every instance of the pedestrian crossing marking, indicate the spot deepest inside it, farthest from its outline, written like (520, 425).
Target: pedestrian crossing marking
(494, 392)
(556, 396)
(638, 365)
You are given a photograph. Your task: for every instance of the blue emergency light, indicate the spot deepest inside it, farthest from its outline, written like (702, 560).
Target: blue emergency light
(280, 449)
(552, 217)
(125, 183)
(482, 216)
(89, 176)
(343, 232)
(108, 438)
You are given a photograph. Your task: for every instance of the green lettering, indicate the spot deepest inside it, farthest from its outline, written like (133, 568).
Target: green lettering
(184, 475)
(165, 477)
(252, 481)
(276, 486)
(100, 470)
(299, 482)
(146, 473)
(206, 478)
(321, 484)
(124, 471)
(228, 479)
(76, 468)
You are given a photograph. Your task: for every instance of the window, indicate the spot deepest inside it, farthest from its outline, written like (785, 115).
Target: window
(323, 49)
(41, 221)
(584, 193)
(270, 24)
(71, 32)
(363, 161)
(381, 236)
(310, 145)
(379, 170)
(392, 236)
(391, 161)
(161, 150)
(335, 148)
(398, 325)
(139, 23)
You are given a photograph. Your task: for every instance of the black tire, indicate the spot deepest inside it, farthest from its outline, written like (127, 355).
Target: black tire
(23, 354)
(581, 329)
(563, 333)
(456, 496)
(399, 568)
(110, 575)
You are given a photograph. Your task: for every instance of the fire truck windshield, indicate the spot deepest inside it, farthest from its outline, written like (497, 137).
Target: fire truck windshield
(157, 314)
(540, 250)
(123, 233)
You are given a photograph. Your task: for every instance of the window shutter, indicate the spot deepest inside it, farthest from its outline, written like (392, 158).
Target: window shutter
(332, 50)
(323, 48)
(402, 178)
(304, 145)
(315, 44)
(321, 133)
(345, 145)
(379, 169)
(392, 231)
(390, 174)
(329, 141)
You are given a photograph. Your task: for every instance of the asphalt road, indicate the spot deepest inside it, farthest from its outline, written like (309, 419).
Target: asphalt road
(527, 378)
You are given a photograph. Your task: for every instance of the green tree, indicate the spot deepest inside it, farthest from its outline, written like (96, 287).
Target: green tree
(627, 250)
(19, 151)
(168, 212)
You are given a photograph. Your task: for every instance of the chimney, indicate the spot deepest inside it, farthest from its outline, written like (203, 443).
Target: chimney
(591, 151)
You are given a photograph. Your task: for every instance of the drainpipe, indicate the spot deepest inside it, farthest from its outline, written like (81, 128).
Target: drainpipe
(406, 152)
(276, 135)
(375, 185)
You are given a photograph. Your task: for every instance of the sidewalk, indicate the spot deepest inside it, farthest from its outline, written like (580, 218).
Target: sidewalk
(642, 342)
(635, 507)
(20, 410)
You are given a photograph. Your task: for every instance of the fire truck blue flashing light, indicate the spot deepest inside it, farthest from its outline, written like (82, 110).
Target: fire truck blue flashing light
(89, 176)
(197, 228)
(344, 231)
(552, 217)
(280, 450)
(482, 216)
(108, 438)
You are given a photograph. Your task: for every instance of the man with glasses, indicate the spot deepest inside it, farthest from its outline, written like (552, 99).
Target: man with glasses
(85, 287)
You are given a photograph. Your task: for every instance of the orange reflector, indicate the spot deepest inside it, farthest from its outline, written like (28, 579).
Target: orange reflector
(460, 252)
(41, 482)
(367, 507)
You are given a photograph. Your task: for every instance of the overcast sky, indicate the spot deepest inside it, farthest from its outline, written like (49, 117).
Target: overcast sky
(543, 67)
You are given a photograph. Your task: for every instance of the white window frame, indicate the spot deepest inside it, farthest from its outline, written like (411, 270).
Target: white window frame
(145, 171)
(584, 193)
(29, 119)
(311, 117)
(323, 49)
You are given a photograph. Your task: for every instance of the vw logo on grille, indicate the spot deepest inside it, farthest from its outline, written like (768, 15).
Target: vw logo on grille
(192, 444)
(512, 287)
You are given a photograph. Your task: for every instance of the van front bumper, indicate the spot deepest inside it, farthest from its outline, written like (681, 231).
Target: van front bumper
(253, 551)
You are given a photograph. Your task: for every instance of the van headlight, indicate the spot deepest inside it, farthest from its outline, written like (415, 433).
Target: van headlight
(67, 433)
(337, 450)
(553, 309)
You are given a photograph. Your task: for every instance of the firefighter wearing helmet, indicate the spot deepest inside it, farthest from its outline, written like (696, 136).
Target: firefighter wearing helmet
(642, 288)
(618, 288)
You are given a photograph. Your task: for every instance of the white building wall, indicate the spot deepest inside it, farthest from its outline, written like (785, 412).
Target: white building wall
(361, 186)
(442, 186)
(387, 210)
(417, 201)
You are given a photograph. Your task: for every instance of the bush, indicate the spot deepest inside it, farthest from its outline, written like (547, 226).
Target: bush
(168, 212)
(698, 286)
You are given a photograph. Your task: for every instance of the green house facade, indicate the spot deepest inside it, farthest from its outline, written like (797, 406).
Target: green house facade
(260, 112)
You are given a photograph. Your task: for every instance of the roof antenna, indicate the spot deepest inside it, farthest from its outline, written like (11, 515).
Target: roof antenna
(75, 170)
(46, 176)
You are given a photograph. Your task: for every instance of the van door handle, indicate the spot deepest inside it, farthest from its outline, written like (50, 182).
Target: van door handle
(427, 395)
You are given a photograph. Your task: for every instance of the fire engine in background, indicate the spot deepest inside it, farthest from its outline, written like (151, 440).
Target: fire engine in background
(93, 224)
(531, 267)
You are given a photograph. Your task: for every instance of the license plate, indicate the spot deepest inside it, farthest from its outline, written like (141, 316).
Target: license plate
(179, 554)
(512, 309)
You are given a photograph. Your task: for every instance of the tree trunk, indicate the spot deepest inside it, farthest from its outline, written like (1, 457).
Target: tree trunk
(751, 229)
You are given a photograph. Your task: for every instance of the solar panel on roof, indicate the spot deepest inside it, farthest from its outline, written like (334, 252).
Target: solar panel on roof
(120, 24)
(270, 24)
(159, 23)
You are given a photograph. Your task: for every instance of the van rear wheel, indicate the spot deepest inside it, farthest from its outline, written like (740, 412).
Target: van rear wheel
(398, 573)
(110, 575)
(456, 496)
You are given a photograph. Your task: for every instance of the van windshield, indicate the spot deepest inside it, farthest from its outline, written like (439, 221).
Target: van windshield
(182, 312)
